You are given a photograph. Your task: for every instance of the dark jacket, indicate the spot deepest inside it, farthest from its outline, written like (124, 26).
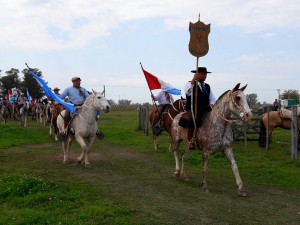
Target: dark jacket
(202, 103)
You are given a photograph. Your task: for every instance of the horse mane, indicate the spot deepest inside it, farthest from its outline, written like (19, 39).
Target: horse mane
(88, 100)
(222, 95)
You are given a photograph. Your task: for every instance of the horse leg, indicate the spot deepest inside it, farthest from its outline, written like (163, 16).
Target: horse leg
(170, 145)
(66, 144)
(25, 121)
(155, 141)
(183, 160)
(50, 130)
(177, 163)
(55, 132)
(205, 156)
(84, 152)
(90, 143)
(229, 154)
(64, 148)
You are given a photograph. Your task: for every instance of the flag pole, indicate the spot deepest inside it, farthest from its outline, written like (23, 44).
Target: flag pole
(151, 92)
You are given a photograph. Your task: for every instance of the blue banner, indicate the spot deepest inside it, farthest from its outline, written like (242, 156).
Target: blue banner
(50, 94)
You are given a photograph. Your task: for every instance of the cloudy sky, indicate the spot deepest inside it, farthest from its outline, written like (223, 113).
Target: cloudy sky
(251, 42)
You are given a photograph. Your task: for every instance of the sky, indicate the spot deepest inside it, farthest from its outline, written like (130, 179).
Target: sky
(250, 42)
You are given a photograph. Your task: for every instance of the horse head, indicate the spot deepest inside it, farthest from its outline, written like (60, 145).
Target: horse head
(100, 102)
(238, 103)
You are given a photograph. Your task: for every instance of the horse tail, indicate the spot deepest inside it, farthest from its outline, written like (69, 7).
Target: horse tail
(262, 134)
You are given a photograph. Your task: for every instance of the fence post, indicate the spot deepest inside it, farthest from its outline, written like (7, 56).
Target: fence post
(143, 119)
(267, 130)
(294, 133)
(245, 134)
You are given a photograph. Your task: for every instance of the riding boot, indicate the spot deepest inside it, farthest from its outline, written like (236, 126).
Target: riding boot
(192, 144)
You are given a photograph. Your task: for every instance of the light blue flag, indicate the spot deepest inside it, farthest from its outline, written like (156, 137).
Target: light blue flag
(28, 97)
(50, 94)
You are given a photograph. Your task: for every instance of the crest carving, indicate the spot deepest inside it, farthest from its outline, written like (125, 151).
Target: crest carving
(198, 45)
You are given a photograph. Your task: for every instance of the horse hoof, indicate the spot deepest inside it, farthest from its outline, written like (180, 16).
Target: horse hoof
(242, 193)
(176, 175)
(205, 190)
(79, 160)
(87, 165)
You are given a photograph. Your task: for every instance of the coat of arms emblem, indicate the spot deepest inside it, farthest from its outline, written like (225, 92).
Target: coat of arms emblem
(198, 45)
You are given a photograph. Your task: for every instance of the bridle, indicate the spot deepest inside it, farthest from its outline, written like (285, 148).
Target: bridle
(239, 107)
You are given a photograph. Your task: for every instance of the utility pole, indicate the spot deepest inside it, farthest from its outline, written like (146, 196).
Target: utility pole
(279, 105)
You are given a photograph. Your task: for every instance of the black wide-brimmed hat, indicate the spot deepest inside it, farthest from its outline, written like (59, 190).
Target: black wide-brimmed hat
(201, 70)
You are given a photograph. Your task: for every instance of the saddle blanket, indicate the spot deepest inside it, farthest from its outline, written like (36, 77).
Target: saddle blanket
(287, 114)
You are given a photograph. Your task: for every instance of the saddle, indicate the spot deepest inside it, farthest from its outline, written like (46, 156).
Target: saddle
(185, 123)
(158, 125)
(69, 118)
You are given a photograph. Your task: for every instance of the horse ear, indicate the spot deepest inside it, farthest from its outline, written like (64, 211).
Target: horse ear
(94, 91)
(236, 87)
(243, 88)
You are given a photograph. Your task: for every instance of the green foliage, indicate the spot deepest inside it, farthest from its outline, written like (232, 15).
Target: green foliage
(291, 94)
(12, 134)
(12, 80)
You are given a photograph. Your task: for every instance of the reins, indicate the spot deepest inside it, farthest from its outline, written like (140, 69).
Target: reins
(177, 110)
(235, 104)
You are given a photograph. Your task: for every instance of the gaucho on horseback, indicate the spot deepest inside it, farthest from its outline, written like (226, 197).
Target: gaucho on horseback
(77, 95)
(165, 100)
(199, 100)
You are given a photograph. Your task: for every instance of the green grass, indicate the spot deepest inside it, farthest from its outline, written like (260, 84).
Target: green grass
(130, 183)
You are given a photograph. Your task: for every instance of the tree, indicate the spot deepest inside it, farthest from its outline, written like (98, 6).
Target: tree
(11, 79)
(251, 99)
(291, 94)
(124, 102)
(29, 82)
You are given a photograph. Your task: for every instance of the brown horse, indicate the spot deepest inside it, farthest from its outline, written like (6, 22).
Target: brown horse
(167, 118)
(275, 120)
(56, 109)
(215, 134)
(4, 114)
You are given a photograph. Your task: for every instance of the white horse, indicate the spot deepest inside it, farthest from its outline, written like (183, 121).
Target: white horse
(84, 125)
(24, 113)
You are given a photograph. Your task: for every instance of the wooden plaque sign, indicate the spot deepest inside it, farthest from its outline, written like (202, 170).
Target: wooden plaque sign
(198, 45)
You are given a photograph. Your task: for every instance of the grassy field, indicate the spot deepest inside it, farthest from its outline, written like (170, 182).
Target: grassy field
(130, 183)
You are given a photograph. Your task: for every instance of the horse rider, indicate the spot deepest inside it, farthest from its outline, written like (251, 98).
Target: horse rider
(164, 100)
(21, 100)
(52, 103)
(202, 102)
(5, 104)
(77, 95)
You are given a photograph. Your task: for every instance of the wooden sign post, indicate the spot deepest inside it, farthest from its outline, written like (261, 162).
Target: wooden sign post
(198, 47)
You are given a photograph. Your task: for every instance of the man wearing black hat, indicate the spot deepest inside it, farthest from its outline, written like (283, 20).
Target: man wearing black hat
(205, 100)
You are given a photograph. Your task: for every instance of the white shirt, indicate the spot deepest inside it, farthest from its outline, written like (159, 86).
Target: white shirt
(188, 91)
(162, 98)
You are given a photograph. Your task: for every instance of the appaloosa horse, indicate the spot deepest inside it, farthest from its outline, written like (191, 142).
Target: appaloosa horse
(214, 135)
(84, 125)
(167, 118)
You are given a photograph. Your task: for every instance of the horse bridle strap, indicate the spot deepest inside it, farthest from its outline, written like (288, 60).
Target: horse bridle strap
(218, 115)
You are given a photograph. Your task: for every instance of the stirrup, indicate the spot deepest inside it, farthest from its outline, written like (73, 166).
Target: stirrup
(62, 136)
